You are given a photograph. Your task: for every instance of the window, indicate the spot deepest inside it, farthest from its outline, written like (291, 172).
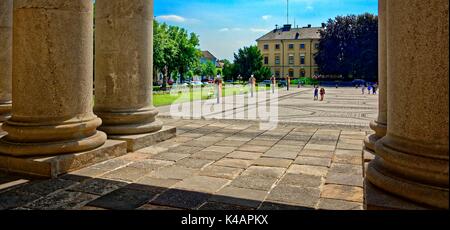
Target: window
(302, 59)
(291, 59)
(302, 46)
(277, 73)
(277, 60)
(291, 73)
(316, 45)
(302, 73)
(266, 60)
(277, 46)
(291, 46)
(266, 47)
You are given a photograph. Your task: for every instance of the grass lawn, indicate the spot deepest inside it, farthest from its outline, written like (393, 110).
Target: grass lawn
(198, 94)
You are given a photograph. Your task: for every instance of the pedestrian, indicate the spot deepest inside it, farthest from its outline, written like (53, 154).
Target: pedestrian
(252, 82)
(369, 89)
(316, 93)
(322, 94)
(288, 82)
(375, 88)
(273, 81)
(363, 89)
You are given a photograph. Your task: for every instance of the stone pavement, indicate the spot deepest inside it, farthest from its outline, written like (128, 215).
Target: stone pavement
(218, 165)
(342, 107)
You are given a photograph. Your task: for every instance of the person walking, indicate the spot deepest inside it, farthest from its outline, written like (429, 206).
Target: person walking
(363, 89)
(273, 81)
(322, 94)
(252, 82)
(288, 82)
(316, 93)
(375, 88)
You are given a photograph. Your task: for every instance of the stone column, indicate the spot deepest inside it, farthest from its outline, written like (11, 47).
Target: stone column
(52, 80)
(124, 67)
(412, 160)
(6, 9)
(380, 125)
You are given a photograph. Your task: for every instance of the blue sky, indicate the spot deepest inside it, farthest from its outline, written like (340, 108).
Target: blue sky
(224, 26)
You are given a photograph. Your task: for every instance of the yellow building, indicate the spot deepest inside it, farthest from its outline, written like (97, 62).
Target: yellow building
(290, 51)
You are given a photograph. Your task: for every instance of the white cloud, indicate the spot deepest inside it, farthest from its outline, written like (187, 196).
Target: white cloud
(224, 30)
(310, 8)
(171, 18)
(258, 30)
(266, 17)
(237, 29)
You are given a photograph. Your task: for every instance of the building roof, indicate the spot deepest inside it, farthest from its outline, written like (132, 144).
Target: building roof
(292, 34)
(208, 55)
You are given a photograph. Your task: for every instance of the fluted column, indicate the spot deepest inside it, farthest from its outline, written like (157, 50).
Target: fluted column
(412, 160)
(52, 80)
(6, 9)
(380, 125)
(124, 66)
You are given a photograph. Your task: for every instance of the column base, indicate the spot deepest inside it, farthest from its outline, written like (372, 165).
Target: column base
(5, 112)
(380, 131)
(377, 199)
(52, 167)
(402, 171)
(140, 141)
(51, 148)
(133, 129)
(367, 156)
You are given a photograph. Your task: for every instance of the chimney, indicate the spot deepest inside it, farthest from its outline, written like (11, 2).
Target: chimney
(287, 27)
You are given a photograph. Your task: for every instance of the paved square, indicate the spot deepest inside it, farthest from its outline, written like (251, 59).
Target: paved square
(212, 165)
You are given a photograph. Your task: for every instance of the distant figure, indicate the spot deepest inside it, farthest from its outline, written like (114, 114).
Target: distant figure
(363, 89)
(299, 83)
(316, 93)
(252, 82)
(375, 88)
(322, 94)
(288, 82)
(369, 89)
(218, 83)
(273, 81)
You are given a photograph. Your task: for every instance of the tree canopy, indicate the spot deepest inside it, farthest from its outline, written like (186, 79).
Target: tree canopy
(349, 47)
(249, 61)
(175, 52)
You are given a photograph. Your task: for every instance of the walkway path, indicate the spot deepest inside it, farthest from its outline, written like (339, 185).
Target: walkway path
(342, 107)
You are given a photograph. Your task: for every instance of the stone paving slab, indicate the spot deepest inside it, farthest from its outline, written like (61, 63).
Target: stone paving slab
(299, 196)
(124, 199)
(221, 172)
(202, 184)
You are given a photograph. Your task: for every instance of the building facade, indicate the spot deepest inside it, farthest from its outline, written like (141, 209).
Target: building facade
(290, 51)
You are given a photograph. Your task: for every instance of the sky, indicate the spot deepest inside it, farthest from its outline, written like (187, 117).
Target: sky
(224, 26)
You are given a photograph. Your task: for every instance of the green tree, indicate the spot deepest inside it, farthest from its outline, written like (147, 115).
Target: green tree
(188, 54)
(264, 73)
(164, 51)
(229, 71)
(209, 69)
(248, 61)
(175, 52)
(349, 47)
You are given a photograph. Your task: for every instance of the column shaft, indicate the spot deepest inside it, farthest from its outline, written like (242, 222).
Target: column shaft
(52, 80)
(380, 125)
(412, 160)
(6, 9)
(124, 67)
